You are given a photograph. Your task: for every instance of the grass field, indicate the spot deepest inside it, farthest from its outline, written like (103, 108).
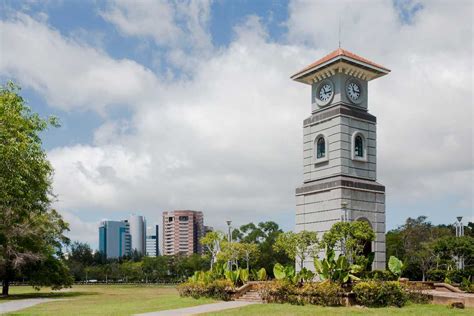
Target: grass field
(128, 300)
(293, 310)
(104, 300)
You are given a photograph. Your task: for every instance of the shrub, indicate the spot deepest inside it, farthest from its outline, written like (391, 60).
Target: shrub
(467, 286)
(380, 294)
(456, 276)
(322, 293)
(279, 291)
(380, 275)
(218, 289)
(415, 292)
(316, 293)
(436, 275)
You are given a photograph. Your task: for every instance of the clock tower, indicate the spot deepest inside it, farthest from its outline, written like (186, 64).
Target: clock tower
(339, 150)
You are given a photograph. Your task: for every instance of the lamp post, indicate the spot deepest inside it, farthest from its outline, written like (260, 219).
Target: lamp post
(344, 212)
(229, 236)
(344, 220)
(459, 233)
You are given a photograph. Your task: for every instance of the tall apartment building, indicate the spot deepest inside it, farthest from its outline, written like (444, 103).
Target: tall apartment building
(182, 231)
(114, 238)
(152, 241)
(138, 233)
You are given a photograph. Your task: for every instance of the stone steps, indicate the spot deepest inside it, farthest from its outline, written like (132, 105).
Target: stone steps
(251, 296)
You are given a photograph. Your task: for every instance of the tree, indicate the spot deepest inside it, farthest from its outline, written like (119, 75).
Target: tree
(247, 252)
(230, 252)
(30, 231)
(211, 242)
(351, 238)
(298, 246)
(413, 244)
(264, 235)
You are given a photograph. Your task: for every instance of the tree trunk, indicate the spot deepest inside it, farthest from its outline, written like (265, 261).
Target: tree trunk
(5, 287)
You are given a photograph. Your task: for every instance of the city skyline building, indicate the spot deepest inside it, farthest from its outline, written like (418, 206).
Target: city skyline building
(153, 241)
(182, 230)
(114, 239)
(138, 233)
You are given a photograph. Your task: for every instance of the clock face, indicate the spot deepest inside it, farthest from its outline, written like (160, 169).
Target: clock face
(353, 91)
(325, 93)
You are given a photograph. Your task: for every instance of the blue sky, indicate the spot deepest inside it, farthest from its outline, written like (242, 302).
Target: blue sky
(189, 105)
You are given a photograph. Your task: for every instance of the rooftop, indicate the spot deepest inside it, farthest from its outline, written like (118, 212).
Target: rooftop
(336, 60)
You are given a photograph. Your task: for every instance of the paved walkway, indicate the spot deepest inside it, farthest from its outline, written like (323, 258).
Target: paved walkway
(199, 309)
(16, 305)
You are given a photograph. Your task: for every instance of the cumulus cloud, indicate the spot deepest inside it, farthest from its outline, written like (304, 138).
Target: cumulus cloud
(228, 139)
(68, 73)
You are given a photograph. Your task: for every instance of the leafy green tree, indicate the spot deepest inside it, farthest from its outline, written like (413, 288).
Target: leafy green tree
(413, 244)
(264, 235)
(351, 238)
(298, 246)
(30, 231)
(247, 252)
(211, 242)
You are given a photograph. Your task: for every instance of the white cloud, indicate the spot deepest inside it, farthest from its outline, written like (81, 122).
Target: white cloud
(69, 74)
(228, 140)
(81, 230)
(181, 28)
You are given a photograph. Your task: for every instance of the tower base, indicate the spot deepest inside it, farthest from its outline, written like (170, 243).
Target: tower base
(319, 206)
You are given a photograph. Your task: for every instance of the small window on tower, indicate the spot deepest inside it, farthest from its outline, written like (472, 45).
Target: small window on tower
(321, 148)
(320, 153)
(359, 146)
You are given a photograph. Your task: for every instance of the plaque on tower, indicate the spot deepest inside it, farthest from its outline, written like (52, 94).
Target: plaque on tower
(339, 150)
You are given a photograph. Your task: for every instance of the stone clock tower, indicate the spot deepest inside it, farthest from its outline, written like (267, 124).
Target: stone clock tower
(339, 150)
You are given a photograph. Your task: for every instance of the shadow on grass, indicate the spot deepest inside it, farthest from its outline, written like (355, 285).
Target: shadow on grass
(45, 295)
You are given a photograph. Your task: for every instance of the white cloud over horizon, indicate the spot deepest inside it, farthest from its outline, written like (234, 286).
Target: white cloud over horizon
(227, 139)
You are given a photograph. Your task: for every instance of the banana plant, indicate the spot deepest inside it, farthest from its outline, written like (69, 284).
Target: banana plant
(282, 272)
(262, 274)
(336, 270)
(244, 275)
(395, 266)
(232, 276)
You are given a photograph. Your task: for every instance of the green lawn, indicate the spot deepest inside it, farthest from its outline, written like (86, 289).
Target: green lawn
(128, 299)
(104, 300)
(287, 310)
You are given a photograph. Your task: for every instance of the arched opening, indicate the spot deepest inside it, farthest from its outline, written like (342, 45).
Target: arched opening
(320, 147)
(368, 244)
(359, 146)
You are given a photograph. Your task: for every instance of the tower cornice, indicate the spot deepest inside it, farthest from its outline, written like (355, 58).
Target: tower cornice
(340, 61)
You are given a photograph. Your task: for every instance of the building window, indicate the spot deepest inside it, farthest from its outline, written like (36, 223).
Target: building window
(359, 146)
(183, 218)
(320, 148)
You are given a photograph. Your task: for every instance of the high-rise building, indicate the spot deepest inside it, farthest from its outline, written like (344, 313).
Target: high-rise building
(339, 155)
(138, 233)
(114, 238)
(152, 241)
(182, 231)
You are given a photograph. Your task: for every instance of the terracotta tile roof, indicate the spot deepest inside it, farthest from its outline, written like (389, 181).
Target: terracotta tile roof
(337, 53)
